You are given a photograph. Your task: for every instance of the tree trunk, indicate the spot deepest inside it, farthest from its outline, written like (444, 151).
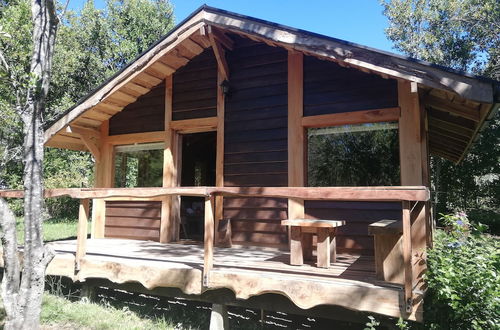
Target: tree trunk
(22, 294)
(11, 277)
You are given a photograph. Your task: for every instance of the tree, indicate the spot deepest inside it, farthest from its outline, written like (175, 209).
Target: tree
(91, 46)
(22, 287)
(465, 35)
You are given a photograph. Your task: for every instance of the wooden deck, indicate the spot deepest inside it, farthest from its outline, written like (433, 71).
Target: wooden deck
(248, 271)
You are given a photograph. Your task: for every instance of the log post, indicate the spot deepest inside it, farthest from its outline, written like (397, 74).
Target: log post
(408, 278)
(81, 240)
(218, 317)
(296, 140)
(208, 240)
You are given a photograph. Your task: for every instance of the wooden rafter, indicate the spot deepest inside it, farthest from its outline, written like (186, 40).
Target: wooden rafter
(454, 108)
(220, 53)
(90, 139)
(222, 38)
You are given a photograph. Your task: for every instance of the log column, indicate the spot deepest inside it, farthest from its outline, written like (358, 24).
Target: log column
(295, 137)
(414, 172)
(170, 204)
(104, 177)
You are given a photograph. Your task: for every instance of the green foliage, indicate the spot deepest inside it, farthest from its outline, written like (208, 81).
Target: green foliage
(463, 279)
(362, 155)
(462, 34)
(91, 46)
(403, 324)
(457, 224)
(372, 324)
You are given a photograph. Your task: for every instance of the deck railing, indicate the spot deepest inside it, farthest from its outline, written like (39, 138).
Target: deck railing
(408, 196)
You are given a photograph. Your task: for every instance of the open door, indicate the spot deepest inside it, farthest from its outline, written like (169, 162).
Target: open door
(197, 169)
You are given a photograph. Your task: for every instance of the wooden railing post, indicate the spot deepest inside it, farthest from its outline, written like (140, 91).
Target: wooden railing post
(208, 240)
(81, 238)
(408, 276)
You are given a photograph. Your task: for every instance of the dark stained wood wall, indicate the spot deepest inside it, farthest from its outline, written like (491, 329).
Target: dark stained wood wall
(330, 88)
(146, 114)
(195, 88)
(256, 139)
(255, 146)
(133, 220)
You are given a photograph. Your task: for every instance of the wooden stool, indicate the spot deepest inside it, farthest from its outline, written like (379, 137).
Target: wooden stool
(301, 232)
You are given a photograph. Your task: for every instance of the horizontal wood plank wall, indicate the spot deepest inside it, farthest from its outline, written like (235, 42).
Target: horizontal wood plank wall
(147, 114)
(133, 220)
(255, 148)
(330, 88)
(195, 88)
(354, 237)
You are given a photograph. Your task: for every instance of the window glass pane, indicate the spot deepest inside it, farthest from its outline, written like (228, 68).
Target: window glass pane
(353, 155)
(139, 165)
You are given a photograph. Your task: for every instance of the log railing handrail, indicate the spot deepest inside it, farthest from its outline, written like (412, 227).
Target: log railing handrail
(398, 193)
(381, 194)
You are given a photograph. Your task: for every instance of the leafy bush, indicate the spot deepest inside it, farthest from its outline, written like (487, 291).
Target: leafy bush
(463, 278)
(489, 217)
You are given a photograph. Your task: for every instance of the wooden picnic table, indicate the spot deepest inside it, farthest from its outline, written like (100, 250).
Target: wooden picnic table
(301, 240)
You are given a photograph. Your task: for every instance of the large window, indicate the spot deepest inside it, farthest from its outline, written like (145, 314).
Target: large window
(353, 155)
(139, 165)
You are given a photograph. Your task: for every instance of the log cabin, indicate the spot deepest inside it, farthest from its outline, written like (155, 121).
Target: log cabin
(241, 154)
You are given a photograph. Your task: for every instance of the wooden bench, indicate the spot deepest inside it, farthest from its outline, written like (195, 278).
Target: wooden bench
(301, 240)
(388, 250)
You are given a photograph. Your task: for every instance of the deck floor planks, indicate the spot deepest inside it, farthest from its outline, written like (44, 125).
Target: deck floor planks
(348, 266)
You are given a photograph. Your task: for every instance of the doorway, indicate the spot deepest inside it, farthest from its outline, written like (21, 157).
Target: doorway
(198, 152)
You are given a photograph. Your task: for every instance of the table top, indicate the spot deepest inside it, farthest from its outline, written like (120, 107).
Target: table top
(313, 223)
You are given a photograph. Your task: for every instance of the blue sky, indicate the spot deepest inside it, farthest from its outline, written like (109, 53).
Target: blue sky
(359, 21)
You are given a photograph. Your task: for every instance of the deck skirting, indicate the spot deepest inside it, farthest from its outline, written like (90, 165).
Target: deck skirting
(349, 283)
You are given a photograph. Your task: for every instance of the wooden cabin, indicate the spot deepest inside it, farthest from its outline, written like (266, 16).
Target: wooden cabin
(240, 154)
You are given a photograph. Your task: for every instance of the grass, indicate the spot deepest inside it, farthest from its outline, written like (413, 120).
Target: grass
(53, 229)
(61, 313)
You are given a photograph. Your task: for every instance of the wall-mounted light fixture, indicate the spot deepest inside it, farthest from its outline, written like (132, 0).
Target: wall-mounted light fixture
(225, 87)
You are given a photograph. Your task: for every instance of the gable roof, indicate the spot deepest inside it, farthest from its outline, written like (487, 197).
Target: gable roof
(458, 103)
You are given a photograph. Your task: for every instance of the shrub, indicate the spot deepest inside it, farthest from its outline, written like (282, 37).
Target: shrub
(463, 280)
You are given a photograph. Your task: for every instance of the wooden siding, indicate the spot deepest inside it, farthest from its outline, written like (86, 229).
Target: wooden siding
(255, 146)
(195, 88)
(330, 88)
(147, 114)
(354, 237)
(133, 220)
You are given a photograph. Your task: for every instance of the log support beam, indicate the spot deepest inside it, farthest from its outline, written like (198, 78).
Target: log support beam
(208, 257)
(90, 138)
(414, 172)
(219, 52)
(296, 139)
(219, 161)
(104, 175)
(81, 241)
(219, 319)
(170, 207)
